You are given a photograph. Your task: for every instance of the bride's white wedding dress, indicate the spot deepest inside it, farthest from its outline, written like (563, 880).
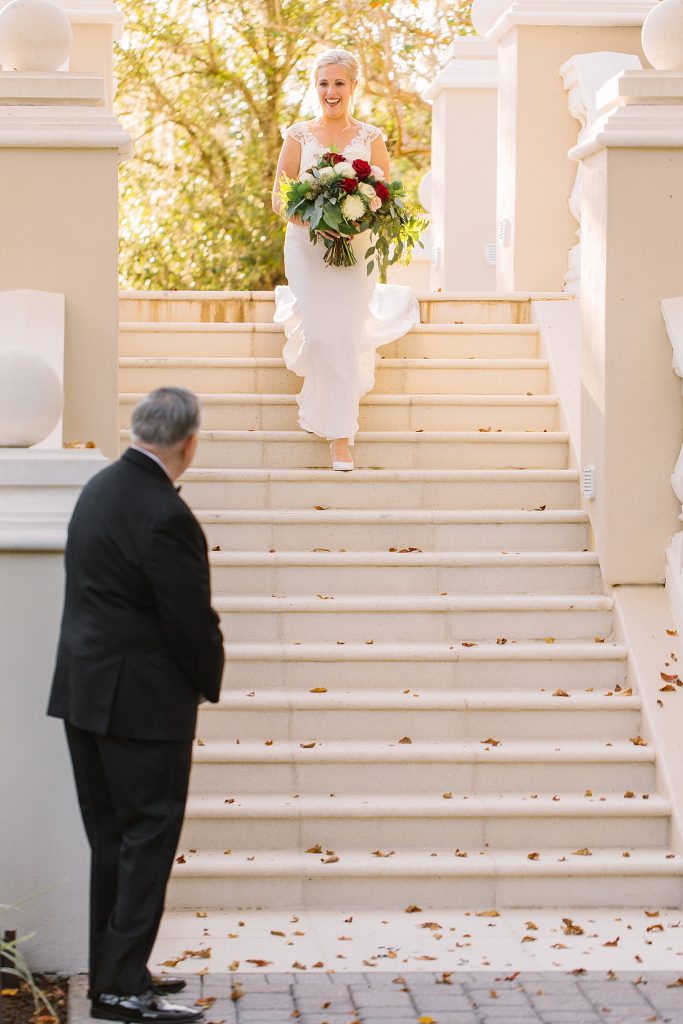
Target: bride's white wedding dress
(335, 317)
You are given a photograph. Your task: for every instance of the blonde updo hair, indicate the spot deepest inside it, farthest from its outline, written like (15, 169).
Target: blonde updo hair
(336, 56)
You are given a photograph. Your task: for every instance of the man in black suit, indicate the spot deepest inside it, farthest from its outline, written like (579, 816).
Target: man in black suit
(140, 647)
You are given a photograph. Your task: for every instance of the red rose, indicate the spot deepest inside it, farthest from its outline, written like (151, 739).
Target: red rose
(333, 158)
(349, 184)
(382, 190)
(362, 168)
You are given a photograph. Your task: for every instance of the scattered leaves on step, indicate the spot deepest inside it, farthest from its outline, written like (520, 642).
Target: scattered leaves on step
(280, 934)
(678, 983)
(425, 957)
(488, 913)
(672, 632)
(320, 508)
(200, 743)
(405, 739)
(321, 549)
(560, 693)
(206, 1002)
(447, 796)
(236, 990)
(570, 928)
(319, 689)
(669, 678)
(217, 548)
(226, 853)
(201, 913)
(629, 794)
(501, 640)
(199, 954)
(369, 642)
(413, 909)
(231, 799)
(550, 639)
(589, 792)
(299, 966)
(528, 938)
(259, 963)
(492, 742)
(460, 853)
(180, 859)
(612, 943)
(531, 926)
(315, 849)
(379, 853)
(668, 688)
(268, 743)
(638, 741)
(582, 852)
(559, 945)
(307, 746)
(468, 643)
(325, 597)
(330, 860)
(426, 1019)
(533, 856)
(484, 430)
(599, 639)
(409, 551)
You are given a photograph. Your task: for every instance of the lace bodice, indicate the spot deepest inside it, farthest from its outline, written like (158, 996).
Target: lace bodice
(358, 148)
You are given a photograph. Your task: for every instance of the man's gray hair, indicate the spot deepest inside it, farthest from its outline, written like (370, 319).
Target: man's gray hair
(165, 417)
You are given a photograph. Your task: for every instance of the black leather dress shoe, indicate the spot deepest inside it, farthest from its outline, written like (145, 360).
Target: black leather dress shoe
(166, 984)
(142, 1009)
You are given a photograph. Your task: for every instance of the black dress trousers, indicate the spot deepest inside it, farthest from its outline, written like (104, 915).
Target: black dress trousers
(132, 795)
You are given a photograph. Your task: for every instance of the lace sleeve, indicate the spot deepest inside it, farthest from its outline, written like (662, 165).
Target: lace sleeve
(295, 131)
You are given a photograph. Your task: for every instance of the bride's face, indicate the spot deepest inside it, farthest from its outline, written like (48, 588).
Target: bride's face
(335, 90)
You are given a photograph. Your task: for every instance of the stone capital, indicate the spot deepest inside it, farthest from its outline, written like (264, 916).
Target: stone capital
(473, 65)
(58, 110)
(637, 109)
(560, 13)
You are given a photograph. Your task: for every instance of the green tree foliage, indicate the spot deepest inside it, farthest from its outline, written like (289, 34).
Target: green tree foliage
(205, 86)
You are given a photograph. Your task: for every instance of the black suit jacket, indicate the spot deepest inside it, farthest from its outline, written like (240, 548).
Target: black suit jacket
(140, 643)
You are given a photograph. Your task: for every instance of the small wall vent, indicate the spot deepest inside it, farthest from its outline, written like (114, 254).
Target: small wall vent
(436, 255)
(588, 482)
(490, 255)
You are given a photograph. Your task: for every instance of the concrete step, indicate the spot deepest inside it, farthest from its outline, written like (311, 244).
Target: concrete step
(244, 449)
(367, 530)
(394, 376)
(429, 878)
(376, 714)
(321, 489)
(330, 618)
(472, 822)
(448, 341)
(576, 667)
(408, 572)
(237, 411)
(251, 307)
(459, 766)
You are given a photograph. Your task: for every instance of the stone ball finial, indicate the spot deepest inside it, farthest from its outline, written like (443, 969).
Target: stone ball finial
(31, 398)
(485, 13)
(35, 35)
(663, 36)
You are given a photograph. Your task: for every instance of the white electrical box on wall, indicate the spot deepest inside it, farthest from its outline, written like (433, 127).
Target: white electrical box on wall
(588, 481)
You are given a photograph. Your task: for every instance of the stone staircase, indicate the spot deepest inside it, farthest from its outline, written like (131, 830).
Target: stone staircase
(422, 703)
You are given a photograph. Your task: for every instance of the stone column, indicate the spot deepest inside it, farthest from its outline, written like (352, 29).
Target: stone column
(59, 153)
(631, 258)
(463, 178)
(535, 128)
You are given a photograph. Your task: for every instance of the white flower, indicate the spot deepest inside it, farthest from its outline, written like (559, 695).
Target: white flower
(355, 152)
(307, 176)
(352, 207)
(326, 172)
(345, 170)
(366, 190)
(374, 204)
(378, 173)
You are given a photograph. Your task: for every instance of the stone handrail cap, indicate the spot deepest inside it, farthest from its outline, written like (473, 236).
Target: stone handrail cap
(560, 13)
(663, 36)
(35, 35)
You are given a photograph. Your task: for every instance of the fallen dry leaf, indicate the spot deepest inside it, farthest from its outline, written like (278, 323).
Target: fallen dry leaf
(533, 856)
(488, 913)
(560, 693)
(447, 796)
(405, 739)
(669, 677)
(491, 742)
(413, 909)
(315, 849)
(583, 852)
(570, 928)
(319, 689)
(307, 746)
(672, 632)
(638, 741)
(259, 963)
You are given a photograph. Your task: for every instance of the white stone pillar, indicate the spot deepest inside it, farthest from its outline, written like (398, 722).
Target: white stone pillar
(463, 179)
(672, 311)
(631, 258)
(59, 154)
(535, 129)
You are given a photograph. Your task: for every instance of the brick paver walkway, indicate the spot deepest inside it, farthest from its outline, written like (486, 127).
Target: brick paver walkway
(423, 998)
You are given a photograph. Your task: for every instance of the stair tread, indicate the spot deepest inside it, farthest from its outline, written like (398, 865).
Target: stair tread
(389, 436)
(456, 751)
(389, 475)
(389, 516)
(415, 602)
(561, 650)
(449, 559)
(411, 805)
(284, 398)
(553, 861)
(257, 327)
(446, 700)
(228, 362)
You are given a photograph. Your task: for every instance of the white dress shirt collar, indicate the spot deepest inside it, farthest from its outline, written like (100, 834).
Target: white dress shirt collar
(155, 458)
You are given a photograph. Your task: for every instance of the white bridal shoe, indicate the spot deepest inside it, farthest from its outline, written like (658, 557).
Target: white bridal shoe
(341, 467)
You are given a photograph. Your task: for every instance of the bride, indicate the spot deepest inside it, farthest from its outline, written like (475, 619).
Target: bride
(334, 317)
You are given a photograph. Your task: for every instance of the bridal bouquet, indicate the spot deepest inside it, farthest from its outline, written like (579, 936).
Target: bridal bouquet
(349, 197)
